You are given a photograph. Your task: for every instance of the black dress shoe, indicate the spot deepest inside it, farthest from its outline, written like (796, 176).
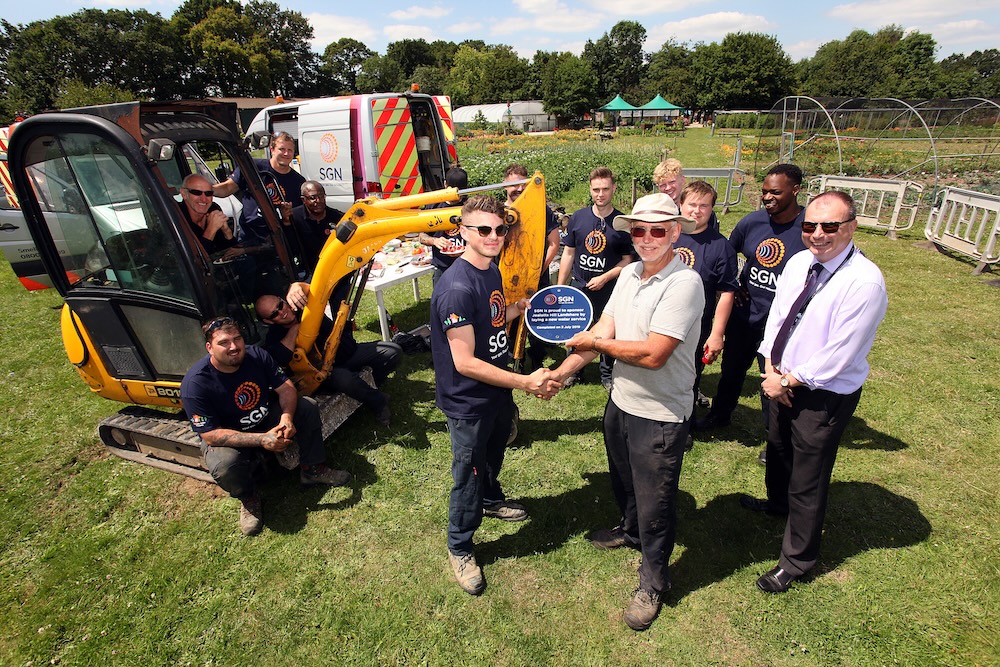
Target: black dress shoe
(709, 422)
(775, 581)
(760, 505)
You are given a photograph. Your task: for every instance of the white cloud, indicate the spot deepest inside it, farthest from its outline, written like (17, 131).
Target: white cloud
(645, 7)
(418, 12)
(961, 33)
(328, 28)
(464, 28)
(706, 28)
(804, 49)
(558, 18)
(403, 31)
(877, 13)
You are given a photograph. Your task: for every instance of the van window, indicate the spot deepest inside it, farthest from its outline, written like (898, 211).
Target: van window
(104, 226)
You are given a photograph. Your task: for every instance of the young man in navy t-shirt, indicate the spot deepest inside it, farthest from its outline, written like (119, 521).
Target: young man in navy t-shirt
(708, 252)
(469, 316)
(242, 404)
(283, 185)
(767, 238)
(594, 252)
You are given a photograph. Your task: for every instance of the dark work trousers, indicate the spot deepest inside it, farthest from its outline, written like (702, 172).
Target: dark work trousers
(644, 458)
(738, 353)
(802, 447)
(477, 452)
(598, 300)
(233, 468)
(383, 358)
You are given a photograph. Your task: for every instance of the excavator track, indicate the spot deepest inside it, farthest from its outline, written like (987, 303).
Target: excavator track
(165, 440)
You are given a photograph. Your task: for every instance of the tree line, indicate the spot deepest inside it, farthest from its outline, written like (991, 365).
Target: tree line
(226, 48)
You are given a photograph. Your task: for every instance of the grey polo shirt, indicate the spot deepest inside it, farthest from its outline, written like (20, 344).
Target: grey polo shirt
(669, 303)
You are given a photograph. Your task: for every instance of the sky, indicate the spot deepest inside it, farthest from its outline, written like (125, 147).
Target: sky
(801, 26)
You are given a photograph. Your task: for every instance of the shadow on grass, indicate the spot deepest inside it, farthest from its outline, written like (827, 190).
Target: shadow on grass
(287, 504)
(722, 538)
(556, 519)
(747, 428)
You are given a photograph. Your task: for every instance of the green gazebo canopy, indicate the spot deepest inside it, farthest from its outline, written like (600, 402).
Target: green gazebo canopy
(618, 104)
(658, 104)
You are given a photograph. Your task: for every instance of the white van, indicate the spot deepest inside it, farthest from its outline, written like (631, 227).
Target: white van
(358, 146)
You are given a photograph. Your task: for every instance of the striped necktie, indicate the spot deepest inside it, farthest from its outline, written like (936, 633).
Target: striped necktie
(781, 340)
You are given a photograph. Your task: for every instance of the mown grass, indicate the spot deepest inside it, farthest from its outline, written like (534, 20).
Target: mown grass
(105, 562)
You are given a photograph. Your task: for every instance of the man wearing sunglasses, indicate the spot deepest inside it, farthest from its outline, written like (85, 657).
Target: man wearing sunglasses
(829, 303)
(469, 315)
(767, 238)
(242, 405)
(282, 317)
(594, 253)
(651, 327)
(206, 218)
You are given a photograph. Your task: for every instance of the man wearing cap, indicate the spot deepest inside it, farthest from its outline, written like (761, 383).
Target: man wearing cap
(650, 326)
(829, 302)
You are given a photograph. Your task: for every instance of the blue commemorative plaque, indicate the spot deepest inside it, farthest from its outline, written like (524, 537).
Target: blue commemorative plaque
(558, 313)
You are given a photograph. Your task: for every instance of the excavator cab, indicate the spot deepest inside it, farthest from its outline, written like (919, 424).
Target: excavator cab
(100, 191)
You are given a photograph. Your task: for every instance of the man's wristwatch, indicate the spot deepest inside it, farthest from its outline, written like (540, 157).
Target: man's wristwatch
(784, 381)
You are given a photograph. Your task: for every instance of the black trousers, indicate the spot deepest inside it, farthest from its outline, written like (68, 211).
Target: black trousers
(644, 458)
(738, 354)
(802, 443)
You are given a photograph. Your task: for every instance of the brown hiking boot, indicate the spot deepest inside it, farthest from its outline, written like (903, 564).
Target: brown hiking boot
(468, 573)
(642, 609)
(321, 473)
(506, 510)
(251, 515)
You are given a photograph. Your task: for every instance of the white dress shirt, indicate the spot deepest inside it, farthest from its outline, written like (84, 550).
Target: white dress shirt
(828, 348)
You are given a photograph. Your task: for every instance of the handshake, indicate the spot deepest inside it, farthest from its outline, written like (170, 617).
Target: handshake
(543, 383)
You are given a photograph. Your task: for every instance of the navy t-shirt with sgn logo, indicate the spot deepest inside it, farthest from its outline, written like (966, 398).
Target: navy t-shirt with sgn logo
(467, 296)
(599, 246)
(238, 401)
(767, 246)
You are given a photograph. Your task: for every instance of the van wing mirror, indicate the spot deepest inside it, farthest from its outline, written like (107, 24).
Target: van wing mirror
(257, 140)
(160, 150)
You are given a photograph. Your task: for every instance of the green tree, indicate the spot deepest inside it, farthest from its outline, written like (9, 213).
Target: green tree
(744, 71)
(381, 74)
(341, 64)
(975, 75)
(444, 53)
(410, 54)
(133, 51)
(288, 33)
(432, 80)
(496, 74)
(670, 74)
(75, 93)
(618, 59)
(567, 87)
(884, 64)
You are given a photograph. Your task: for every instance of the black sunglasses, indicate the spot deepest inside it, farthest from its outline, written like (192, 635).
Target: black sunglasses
(655, 232)
(200, 193)
(484, 230)
(277, 311)
(216, 324)
(828, 227)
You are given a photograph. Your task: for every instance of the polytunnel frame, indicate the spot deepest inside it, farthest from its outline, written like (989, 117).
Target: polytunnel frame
(791, 110)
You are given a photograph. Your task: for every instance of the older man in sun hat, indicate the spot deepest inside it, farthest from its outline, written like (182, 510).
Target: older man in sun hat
(650, 326)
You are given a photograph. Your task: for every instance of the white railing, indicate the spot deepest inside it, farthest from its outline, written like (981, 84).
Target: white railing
(881, 203)
(967, 222)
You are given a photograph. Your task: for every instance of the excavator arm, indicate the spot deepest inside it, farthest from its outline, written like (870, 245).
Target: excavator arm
(370, 224)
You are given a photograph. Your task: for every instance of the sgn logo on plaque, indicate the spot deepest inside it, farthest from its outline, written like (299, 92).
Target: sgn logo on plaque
(558, 313)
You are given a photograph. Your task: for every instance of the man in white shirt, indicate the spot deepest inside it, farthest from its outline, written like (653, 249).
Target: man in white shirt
(816, 342)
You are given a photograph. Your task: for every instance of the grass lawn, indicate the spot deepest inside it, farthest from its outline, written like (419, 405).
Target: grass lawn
(106, 562)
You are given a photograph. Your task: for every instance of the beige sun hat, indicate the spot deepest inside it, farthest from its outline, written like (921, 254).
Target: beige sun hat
(657, 207)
